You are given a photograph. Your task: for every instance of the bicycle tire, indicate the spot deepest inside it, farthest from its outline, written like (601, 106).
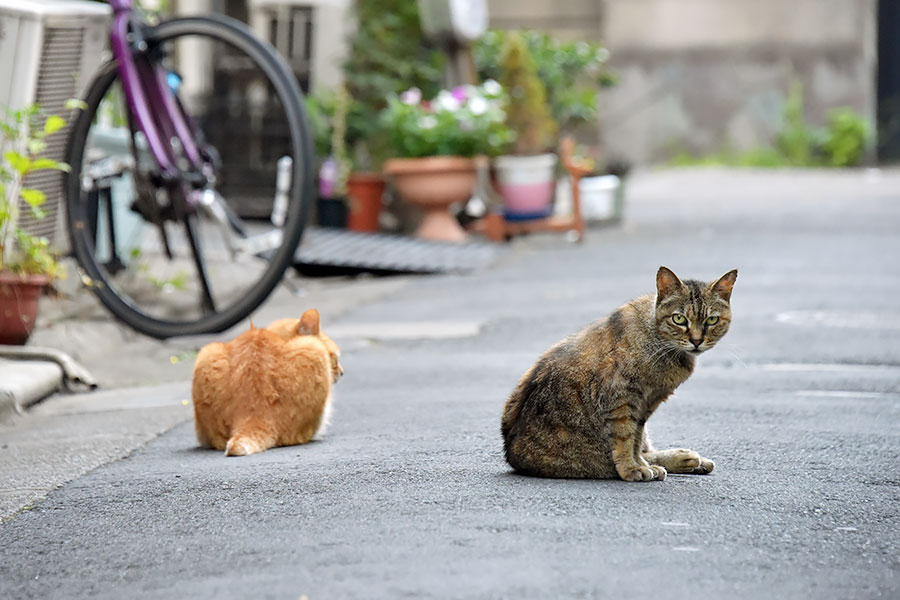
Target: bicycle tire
(264, 59)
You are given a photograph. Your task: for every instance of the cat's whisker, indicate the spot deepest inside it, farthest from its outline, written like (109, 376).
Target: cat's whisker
(731, 350)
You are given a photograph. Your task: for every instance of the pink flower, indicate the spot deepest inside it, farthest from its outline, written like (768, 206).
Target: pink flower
(412, 96)
(459, 92)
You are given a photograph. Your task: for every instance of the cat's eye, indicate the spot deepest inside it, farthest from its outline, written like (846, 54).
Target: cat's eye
(712, 320)
(679, 319)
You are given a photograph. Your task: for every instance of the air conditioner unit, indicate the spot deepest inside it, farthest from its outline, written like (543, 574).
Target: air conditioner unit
(49, 49)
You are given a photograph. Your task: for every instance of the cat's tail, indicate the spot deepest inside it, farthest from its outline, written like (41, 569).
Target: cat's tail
(249, 439)
(242, 447)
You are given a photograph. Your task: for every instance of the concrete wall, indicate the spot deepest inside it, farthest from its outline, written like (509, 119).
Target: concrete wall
(566, 19)
(705, 75)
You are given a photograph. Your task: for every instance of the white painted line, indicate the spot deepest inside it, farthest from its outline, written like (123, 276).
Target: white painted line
(406, 330)
(844, 394)
(841, 319)
(825, 367)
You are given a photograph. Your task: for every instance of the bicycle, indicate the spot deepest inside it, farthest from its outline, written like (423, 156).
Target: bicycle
(158, 142)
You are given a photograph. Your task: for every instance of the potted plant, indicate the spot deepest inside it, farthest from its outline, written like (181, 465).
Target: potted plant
(27, 264)
(526, 177)
(328, 115)
(572, 74)
(434, 142)
(387, 55)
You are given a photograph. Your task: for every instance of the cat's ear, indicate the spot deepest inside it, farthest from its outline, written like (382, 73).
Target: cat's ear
(309, 323)
(723, 285)
(667, 283)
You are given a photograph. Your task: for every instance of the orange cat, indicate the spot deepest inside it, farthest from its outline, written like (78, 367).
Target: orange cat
(267, 387)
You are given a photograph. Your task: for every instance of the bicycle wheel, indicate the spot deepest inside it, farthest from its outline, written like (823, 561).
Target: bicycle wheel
(170, 265)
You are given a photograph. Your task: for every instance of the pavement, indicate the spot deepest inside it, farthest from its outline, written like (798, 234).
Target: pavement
(106, 494)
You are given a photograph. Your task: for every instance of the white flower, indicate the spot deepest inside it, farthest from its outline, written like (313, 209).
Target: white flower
(446, 101)
(492, 88)
(412, 96)
(478, 105)
(427, 122)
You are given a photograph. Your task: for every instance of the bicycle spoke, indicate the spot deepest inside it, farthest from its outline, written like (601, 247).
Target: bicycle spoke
(193, 235)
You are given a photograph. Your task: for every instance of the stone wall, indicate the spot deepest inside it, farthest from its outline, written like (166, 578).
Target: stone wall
(703, 76)
(566, 19)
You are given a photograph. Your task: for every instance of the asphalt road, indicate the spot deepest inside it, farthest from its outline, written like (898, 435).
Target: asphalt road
(408, 495)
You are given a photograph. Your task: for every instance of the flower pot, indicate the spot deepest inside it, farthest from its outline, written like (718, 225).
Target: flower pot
(601, 198)
(331, 212)
(19, 295)
(364, 192)
(526, 184)
(432, 184)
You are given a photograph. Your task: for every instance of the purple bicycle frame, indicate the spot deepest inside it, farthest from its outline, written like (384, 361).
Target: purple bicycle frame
(150, 99)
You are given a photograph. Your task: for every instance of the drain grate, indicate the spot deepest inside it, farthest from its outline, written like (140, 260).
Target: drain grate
(326, 251)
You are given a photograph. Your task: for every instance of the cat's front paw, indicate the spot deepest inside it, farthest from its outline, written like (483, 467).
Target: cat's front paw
(705, 468)
(680, 460)
(648, 473)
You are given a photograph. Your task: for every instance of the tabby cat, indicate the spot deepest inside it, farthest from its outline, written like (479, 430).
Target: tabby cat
(267, 387)
(581, 410)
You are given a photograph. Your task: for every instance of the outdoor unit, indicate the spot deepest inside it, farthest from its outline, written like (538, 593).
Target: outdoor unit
(49, 49)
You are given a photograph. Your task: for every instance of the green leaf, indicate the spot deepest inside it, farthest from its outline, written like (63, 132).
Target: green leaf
(36, 146)
(53, 124)
(33, 197)
(75, 103)
(48, 163)
(17, 161)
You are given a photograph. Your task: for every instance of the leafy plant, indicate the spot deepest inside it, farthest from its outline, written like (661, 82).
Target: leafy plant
(466, 121)
(846, 138)
(573, 73)
(26, 132)
(527, 112)
(841, 143)
(795, 141)
(339, 141)
(388, 54)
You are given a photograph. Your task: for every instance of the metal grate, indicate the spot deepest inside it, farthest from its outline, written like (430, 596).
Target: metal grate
(60, 62)
(337, 251)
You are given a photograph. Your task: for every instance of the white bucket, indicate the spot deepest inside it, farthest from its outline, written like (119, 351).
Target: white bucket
(598, 197)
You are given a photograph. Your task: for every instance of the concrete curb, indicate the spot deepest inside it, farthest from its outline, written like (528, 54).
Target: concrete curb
(24, 382)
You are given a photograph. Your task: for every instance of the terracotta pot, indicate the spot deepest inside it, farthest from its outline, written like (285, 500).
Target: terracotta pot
(364, 191)
(526, 184)
(433, 183)
(19, 305)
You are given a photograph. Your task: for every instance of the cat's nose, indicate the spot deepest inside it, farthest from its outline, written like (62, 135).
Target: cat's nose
(697, 342)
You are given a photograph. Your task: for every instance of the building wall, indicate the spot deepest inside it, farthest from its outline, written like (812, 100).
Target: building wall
(703, 76)
(566, 19)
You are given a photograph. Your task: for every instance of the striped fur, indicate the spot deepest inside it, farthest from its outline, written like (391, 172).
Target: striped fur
(581, 410)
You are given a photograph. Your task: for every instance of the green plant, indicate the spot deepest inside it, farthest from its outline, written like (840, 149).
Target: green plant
(388, 54)
(467, 121)
(25, 131)
(572, 72)
(339, 141)
(320, 111)
(527, 112)
(841, 143)
(796, 140)
(846, 138)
